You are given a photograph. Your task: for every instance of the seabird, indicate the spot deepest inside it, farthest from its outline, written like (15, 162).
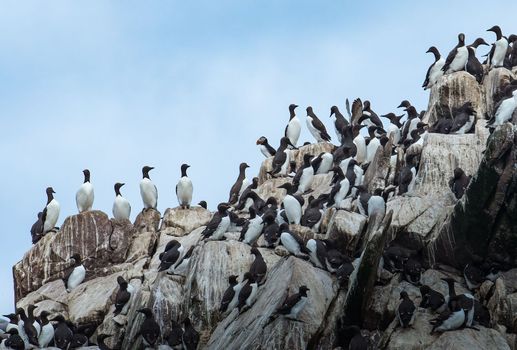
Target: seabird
(84, 196)
(149, 330)
(190, 335)
(219, 223)
(122, 298)
(413, 271)
(407, 177)
(465, 301)
(292, 242)
(340, 189)
(323, 163)
(280, 163)
(76, 274)
(37, 229)
(182, 263)
(360, 144)
(406, 310)
(229, 293)
(339, 122)
(50, 212)
(271, 229)
(293, 128)
(393, 129)
(358, 342)
(30, 317)
(26, 329)
(292, 205)
(258, 268)
(240, 184)
(121, 207)
(148, 190)
(203, 204)
(373, 144)
(459, 183)
(265, 147)
(184, 188)
(463, 120)
(171, 255)
(313, 215)
(432, 299)
(252, 228)
(318, 253)
(362, 199)
(474, 67)
(14, 341)
(293, 304)
(100, 341)
(504, 111)
(372, 119)
(234, 302)
(435, 72)
(63, 334)
(457, 58)
(499, 48)
(302, 181)
(449, 320)
(316, 127)
(248, 292)
(473, 276)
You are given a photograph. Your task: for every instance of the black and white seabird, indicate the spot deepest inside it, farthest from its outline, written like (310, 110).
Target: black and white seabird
(76, 274)
(63, 334)
(293, 128)
(313, 215)
(323, 163)
(219, 223)
(340, 189)
(148, 190)
(190, 335)
(362, 199)
(248, 292)
(240, 184)
(474, 276)
(84, 196)
(252, 228)
(122, 298)
(406, 310)
(360, 144)
(26, 328)
(339, 122)
(407, 177)
(318, 253)
(504, 110)
(457, 58)
(245, 201)
(370, 118)
(47, 330)
(432, 299)
(271, 229)
(258, 268)
(121, 207)
(373, 145)
(474, 67)
(50, 212)
(393, 129)
(171, 255)
(435, 72)
(294, 304)
(464, 118)
(413, 271)
(203, 204)
(31, 318)
(291, 241)
(449, 320)
(265, 147)
(499, 48)
(316, 127)
(183, 262)
(459, 183)
(465, 301)
(304, 176)
(229, 293)
(184, 188)
(292, 205)
(281, 161)
(13, 321)
(14, 341)
(149, 330)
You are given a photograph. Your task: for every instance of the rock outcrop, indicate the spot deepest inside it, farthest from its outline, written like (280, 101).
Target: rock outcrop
(447, 232)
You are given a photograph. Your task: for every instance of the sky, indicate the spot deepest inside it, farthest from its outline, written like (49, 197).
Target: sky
(115, 85)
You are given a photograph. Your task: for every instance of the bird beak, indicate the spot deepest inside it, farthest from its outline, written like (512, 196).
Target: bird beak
(400, 106)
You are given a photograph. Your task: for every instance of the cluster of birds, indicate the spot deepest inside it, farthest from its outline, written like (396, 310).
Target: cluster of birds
(257, 217)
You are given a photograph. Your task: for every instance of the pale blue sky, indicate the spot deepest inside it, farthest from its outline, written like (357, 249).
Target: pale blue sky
(115, 85)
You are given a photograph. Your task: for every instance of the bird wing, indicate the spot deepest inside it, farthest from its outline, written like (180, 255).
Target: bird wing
(212, 225)
(449, 59)
(426, 81)
(288, 304)
(357, 111)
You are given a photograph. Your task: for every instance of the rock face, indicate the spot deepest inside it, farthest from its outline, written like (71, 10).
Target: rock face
(445, 232)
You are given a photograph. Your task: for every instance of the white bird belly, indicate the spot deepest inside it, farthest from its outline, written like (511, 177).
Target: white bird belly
(293, 130)
(326, 163)
(46, 335)
(360, 144)
(121, 208)
(254, 230)
(149, 193)
(76, 277)
(290, 243)
(293, 209)
(306, 180)
(84, 197)
(315, 132)
(185, 190)
(53, 209)
(459, 61)
(295, 310)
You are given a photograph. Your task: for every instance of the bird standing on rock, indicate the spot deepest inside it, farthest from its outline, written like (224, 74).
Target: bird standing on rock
(84, 196)
(434, 73)
(76, 274)
(150, 329)
(459, 183)
(265, 147)
(240, 184)
(219, 223)
(406, 310)
(293, 128)
(148, 190)
(316, 127)
(184, 188)
(50, 212)
(121, 207)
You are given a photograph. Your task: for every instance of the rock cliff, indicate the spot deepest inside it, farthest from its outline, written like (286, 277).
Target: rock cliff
(448, 232)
